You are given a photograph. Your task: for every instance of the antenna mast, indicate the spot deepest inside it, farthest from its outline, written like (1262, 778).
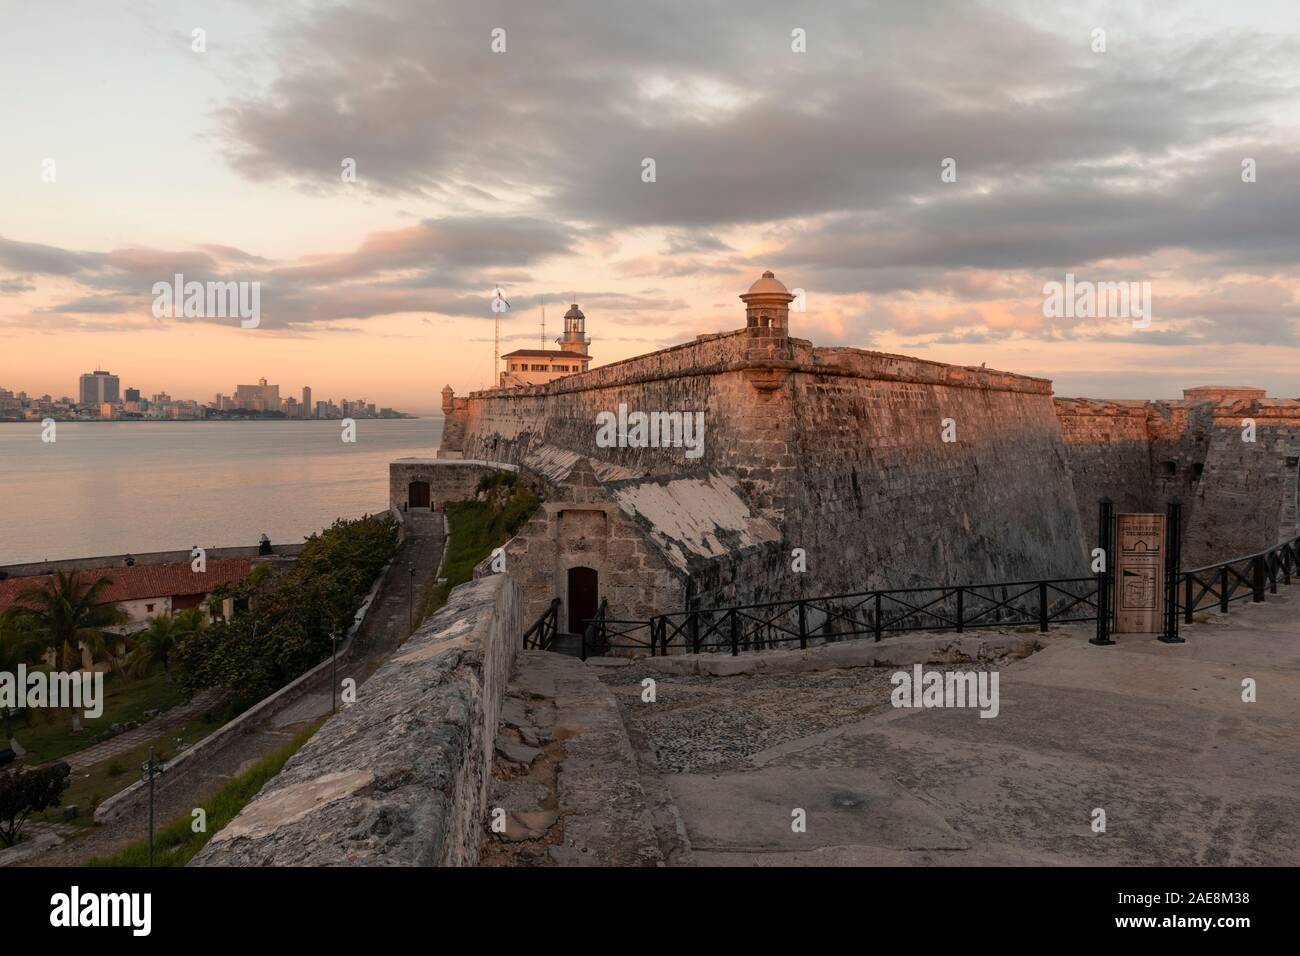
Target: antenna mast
(543, 325)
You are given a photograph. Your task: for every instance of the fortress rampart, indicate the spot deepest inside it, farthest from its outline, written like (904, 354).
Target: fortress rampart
(1229, 454)
(874, 470)
(839, 452)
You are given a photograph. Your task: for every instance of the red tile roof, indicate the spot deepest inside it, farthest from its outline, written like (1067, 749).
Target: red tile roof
(142, 580)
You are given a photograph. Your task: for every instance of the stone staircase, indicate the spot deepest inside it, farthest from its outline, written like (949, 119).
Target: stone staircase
(568, 644)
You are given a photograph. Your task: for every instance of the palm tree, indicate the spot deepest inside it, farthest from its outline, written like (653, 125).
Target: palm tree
(68, 612)
(154, 647)
(19, 644)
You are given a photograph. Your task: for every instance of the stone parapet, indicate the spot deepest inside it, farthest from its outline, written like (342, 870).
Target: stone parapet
(400, 778)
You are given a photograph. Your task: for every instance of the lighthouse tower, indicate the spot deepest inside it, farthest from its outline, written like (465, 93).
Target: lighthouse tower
(575, 332)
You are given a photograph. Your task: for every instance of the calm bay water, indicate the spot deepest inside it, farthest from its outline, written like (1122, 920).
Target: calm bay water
(112, 487)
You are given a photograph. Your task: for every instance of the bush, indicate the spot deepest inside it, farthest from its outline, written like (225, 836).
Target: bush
(287, 627)
(476, 528)
(24, 792)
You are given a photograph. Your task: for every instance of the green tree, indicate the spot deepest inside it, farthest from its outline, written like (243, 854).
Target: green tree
(24, 792)
(154, 647)
(283, 622)
(69, 612)
(19, 644)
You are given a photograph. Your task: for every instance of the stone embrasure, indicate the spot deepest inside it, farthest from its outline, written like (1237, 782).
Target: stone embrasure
(400, 777)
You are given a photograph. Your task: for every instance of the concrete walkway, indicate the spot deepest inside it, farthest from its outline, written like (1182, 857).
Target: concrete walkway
(198, 705)
(389, 618)
(1156, 736)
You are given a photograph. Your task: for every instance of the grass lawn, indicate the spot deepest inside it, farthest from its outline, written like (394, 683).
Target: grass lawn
(176, 842)
(50, 734)
(90, 786)
(476, 528)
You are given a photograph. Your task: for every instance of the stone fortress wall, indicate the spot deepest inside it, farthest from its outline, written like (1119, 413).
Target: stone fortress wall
(401, 777)
(841, 452)
(1238, 496)
(448, 480)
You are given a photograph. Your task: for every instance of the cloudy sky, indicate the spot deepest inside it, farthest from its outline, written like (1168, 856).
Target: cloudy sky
(524, 168)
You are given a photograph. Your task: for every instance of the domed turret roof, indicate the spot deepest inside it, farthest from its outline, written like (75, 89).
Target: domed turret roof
(768, 285)
(574, 312)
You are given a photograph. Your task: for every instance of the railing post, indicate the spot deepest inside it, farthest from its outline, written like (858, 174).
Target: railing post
(1257, 579)
(803, 627)
(1272, 562)
(1223, 589)
(695, 632)
(1042, 606)
(735, 633)
(960, 594)
(1104, 524)
(1173, 567)
(1188, 581)
(879, 622)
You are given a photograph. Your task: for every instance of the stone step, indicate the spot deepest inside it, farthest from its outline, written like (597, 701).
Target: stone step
(567, 644)
(566, 775)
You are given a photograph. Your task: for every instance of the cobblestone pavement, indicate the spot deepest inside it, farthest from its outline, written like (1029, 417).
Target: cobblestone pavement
(385, 628)
(703, 724)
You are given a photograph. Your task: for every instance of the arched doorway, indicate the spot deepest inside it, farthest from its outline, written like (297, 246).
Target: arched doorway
(417, 494)
(584, 597)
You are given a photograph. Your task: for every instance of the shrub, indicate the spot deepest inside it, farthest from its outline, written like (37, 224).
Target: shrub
(24, 792)
(287, 625)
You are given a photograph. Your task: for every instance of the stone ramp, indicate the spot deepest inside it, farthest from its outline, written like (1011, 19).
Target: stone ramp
(566, 776)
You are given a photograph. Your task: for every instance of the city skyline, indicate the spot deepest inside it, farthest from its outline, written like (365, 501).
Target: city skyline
(101, 389)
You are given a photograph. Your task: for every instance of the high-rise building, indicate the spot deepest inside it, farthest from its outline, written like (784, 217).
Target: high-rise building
(260, 397)
(306, 401)
(99, 387)
(132, 395)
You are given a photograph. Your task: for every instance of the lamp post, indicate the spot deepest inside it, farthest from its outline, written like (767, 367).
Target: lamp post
(410, 600)
(151, 769)
(334, 667)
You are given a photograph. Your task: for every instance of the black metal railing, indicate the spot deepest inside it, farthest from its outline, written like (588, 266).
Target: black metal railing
(542, 633)
(874, 614)
(595, 633)
(1216, 586)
